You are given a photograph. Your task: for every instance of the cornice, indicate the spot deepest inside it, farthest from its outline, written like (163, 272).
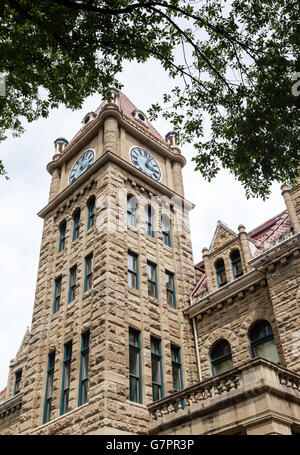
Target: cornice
(226, 293)
(275, 254)
(111, 157)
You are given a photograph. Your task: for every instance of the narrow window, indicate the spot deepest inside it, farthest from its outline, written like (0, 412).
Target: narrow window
(149, 220)
(236, 264)
(131, 210)
(221, 358)
(57, 293)
(166, 230)
(133, 270)
(157, 374)
(135, 366)
(176, 368)
(62, 236)
(64, 406)
(91, 212)
(84, 369)
(88, 278)
(76, 224)
(170, 288)
(262, 341)
(72, 283)
(49, 388)
(152, 279)
(221, 273)
(18, 377)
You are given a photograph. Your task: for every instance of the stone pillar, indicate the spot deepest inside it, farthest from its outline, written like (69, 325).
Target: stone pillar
(111, 135)
(177, 178)
(208, 270)
(54, 188)
(246, 251)
(285, 191)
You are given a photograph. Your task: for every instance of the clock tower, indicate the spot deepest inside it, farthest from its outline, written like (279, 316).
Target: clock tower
(108, 334)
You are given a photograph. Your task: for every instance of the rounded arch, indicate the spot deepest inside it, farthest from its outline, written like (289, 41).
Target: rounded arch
(218, 335)
(132, 208)
(236, 263)
(91, 204)
(262, 341)
(220, 270)
(221, 357)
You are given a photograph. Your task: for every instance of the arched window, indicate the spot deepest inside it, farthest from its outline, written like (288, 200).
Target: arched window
(131, 210)
(76, 224)
(91, 212)
(221, 358)
(221, 273)
(262, 341)
(236, 264)
(166, 229)
(62, 235)
(149, 220)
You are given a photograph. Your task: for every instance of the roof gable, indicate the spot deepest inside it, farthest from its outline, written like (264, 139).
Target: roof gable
(223, 234)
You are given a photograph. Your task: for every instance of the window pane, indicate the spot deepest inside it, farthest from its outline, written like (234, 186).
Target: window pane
(267, 350)
(223, 366)
(133, 362)
(133, 389)
(156, 370)
(176, 377)
(156, 395)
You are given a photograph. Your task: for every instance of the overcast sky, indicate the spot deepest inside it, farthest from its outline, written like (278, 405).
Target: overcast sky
(27, 190)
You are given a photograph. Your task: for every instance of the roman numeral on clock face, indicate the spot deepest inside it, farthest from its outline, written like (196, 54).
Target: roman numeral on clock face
(145, 162)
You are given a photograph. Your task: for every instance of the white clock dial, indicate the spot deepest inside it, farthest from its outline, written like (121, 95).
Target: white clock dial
(85, 160)
(145, 162)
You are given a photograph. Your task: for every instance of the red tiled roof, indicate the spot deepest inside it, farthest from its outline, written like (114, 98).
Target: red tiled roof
(2, 393)
(200, 287)
(127, 109)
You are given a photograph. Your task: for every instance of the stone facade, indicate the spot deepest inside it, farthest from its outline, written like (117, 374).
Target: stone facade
(254, 396)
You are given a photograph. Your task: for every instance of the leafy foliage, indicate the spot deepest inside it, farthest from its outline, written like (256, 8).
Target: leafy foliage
(235, 62)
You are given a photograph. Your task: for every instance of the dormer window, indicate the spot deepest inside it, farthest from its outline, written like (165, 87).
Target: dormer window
(139, 115)
(88, 118)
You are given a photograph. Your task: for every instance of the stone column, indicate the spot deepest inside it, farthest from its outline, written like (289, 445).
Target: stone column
(246, 251)
(54, 188)
(285, 191)
(111, 135)
(177, 178)
(208, 270)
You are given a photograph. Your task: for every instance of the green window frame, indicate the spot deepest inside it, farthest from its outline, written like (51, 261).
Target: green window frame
(76, 224)
(84, 369)
(221, 273)
(62, 236)
(49, 388)
(221, 357)
(176, 368)
(88, 272)
(236, 264)
(262, 341)
(57, 294)
(66, 377)
(152, 279)
(149, 220)
(133, 270)
(135, 369)
(157, 369)
(91, 212)
(72, 283)
(17, 386)
(170, 288)
(166, 229)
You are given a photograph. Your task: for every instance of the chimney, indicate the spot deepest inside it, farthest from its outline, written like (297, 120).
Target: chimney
(60, 143)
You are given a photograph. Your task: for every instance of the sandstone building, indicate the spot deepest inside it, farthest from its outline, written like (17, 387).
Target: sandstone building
(128, 336)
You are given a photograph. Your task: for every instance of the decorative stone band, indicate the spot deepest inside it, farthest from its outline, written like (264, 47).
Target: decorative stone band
(251, 378)
(11, 405)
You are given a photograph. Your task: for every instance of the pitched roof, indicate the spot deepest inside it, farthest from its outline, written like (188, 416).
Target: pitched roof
(127, 109)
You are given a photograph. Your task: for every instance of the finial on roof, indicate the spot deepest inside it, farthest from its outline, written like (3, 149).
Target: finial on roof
(60, 143)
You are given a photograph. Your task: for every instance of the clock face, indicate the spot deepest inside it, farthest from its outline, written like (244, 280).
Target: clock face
(145, 162)
(81, 165)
